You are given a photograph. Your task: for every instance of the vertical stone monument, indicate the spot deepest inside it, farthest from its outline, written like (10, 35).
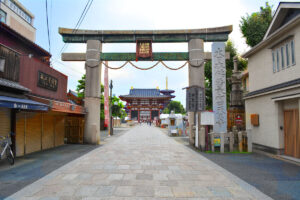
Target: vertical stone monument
(219, 87)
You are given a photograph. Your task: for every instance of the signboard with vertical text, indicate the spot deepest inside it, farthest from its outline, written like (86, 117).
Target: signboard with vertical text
(143, 49)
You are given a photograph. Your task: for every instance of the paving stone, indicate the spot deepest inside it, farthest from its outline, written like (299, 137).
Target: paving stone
(144, 164)
(115, 177)
(105, 191)
(184, 192)
(163, 191)
(144, 191)
(220, 191)
(86, 191)
(144, 177)
(124, 191)
(129, 177)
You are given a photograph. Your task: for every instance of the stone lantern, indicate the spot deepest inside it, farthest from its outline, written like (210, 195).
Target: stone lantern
(172, 124)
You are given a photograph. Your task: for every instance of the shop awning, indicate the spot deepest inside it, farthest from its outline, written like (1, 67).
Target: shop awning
(24, 104)
(59, 106)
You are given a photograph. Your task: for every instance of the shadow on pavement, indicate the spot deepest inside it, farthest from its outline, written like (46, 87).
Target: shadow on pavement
(29, 168)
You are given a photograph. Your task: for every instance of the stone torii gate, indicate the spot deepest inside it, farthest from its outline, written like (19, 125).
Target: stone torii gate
(195, 55)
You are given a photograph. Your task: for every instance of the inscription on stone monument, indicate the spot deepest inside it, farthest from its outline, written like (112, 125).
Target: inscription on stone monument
(219, 87)
(195, 99)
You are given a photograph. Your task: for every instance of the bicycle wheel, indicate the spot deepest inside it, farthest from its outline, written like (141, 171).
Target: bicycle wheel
(10, 156)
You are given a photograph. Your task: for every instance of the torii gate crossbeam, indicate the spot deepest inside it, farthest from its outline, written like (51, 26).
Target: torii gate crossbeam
(196, 57)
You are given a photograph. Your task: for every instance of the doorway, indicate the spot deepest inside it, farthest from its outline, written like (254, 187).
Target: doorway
(291, 133)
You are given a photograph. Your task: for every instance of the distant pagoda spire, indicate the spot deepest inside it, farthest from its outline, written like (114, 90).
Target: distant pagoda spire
(166, 82)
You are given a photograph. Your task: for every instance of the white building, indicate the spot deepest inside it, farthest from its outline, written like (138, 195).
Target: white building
(15, 15)
(273, 101)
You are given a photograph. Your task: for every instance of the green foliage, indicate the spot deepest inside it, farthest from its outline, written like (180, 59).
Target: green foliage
(254, 26)
(80, 87)
(80, 91)
(176, 106)
(117, 107)
(242, 64)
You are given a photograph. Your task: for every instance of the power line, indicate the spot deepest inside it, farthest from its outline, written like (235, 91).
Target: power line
(48, 26)
(79, 22)
(61, 63)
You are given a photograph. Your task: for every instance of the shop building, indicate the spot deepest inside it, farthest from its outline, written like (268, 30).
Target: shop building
(273, 100)
(52, 121)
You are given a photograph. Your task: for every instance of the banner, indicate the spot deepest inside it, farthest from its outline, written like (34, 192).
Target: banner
(106, 99)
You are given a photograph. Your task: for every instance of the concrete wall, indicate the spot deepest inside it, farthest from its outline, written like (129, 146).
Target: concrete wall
(271, 118)
(19, 24)
(260, 65)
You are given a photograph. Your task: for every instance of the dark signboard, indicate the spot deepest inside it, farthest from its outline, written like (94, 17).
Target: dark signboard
(195, 99)
(143, 49)
(47, 81)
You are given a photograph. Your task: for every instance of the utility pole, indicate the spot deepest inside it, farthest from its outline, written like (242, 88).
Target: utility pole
(110, 131)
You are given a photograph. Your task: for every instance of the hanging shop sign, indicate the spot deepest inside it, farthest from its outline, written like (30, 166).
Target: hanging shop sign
(143, 49)
(46, 81)
(217, 142)
(238, 119)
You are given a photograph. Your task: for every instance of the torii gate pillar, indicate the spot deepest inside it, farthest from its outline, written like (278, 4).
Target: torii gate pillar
(92, 92)
(196, 77)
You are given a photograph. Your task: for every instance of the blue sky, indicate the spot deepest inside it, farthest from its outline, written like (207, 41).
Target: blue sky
(132, 15)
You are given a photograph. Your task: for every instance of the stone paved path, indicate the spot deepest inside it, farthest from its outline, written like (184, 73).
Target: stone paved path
(143, 163)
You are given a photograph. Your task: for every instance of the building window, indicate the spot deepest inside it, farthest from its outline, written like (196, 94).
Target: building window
(277, 60)
(274, 64)
(293, 52)
(2, 16)
(282, 57)
(287, 54)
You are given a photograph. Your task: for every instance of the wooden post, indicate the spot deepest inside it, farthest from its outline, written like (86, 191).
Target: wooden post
(202, 138)
(212, 136)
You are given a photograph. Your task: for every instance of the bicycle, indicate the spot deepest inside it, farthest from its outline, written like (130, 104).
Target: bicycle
(5, 144)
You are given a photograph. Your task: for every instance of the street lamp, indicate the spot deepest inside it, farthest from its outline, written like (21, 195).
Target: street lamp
(110, 131)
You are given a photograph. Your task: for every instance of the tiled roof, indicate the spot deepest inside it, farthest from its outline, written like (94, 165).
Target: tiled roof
(73, 93)
(145, 93)
(12, 84)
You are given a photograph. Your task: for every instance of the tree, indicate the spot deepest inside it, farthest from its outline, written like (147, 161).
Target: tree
(242, 64)
(118, 108)
(80, 91)
(81, 87)
(254, 26)
(176, 106)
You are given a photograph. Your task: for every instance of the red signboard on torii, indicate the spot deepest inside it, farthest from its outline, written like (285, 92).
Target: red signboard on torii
(106, 99)
(143, 49)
